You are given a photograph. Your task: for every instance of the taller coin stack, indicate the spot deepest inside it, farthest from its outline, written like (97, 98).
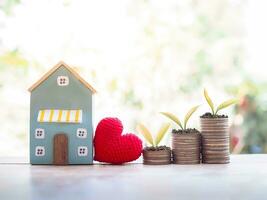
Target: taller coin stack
(186, 148)
(215, 140)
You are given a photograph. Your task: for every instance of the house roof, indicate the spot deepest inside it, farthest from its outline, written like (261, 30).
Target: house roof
(51, 71)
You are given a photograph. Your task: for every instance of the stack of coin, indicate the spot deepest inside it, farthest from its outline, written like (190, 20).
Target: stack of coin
(157, 156)
(186, 148)
(215, 140)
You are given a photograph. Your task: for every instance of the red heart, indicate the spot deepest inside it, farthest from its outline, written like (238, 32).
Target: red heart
(113, 147)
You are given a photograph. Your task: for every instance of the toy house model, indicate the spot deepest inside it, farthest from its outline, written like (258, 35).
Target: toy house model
(61, 130)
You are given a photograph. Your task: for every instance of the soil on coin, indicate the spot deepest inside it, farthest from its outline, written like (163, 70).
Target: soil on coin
(186, 131)
(159, 148)
(210, 115)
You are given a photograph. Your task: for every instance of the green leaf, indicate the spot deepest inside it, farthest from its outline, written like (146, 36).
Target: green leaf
(145, 132)
(8, 6)
(189, 114)
(161, 133)
(209, 101)
(173, 118)
(226, 104)
(13, 59)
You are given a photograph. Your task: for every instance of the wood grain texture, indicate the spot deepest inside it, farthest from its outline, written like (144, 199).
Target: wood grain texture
(244, 178)
(60, 149)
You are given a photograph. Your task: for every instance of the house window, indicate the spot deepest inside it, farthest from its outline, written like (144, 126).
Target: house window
(63, 80)
(39, 151)
(39, 133)
(82, 151)
(81, 133)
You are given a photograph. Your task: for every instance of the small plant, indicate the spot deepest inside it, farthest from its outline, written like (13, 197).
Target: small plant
(155, 154)
(223, 105)
(214, 128)
(186, 118)
(189, 152)
(148, 136)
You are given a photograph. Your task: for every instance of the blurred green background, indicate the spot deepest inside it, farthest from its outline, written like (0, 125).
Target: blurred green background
(143, 57)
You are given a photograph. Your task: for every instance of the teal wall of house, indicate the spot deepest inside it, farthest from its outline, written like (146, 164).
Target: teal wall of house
(48, 95)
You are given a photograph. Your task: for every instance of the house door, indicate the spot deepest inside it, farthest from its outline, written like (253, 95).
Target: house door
(60, 149)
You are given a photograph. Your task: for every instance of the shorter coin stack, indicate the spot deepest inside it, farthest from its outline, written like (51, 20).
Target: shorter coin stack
(157, 157)
(215, 140)
(186, 148)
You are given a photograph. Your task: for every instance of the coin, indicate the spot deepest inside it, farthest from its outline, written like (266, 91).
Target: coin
(157, 157)
(215, 140)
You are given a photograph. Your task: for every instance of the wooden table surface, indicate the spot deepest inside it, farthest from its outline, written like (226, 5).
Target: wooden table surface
(245, 178)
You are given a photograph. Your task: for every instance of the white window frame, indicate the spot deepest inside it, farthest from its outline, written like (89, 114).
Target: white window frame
(39, 148)
(85, 151)
(67, 81)
(81, 131)
(37, 131)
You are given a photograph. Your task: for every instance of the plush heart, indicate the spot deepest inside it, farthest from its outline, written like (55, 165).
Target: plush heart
(113, 147)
